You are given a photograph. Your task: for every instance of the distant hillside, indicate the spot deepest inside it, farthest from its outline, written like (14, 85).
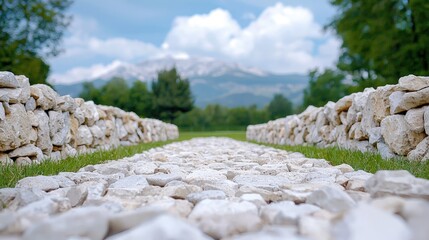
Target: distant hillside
(212, 81)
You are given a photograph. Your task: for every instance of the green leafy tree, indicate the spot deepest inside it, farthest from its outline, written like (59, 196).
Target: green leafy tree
(140, 99)
(90, 92)
(116, 93)
(171, 95)
(382, 39)
(324, 87)
(31, 30)
(279, 107)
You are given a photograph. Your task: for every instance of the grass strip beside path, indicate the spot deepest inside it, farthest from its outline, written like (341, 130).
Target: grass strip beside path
(369, 162)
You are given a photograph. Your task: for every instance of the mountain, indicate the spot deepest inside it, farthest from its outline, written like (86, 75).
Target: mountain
(212, 81)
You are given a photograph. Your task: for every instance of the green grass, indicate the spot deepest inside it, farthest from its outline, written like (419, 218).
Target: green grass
(369, 162)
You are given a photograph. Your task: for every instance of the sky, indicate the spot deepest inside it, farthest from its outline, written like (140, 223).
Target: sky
(276, 36)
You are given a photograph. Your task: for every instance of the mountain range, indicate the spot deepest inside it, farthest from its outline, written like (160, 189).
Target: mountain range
(212, 81)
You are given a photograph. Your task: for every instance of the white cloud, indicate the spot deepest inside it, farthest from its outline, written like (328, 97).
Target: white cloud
(83, 73)
(281, 39)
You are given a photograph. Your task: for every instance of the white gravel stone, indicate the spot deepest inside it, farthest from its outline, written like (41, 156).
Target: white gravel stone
(331, 199)
(90, 223)
(208, 194)
(286, 212)
(162, 179)
(162, 228)
(44, 183)
(222, 218)
(369, 223)
(126, 220)
(397, 183)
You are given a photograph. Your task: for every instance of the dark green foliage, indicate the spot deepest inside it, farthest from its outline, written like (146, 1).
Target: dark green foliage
(279, 107)
(29, 31)
(140, 99)
(324, 87)
(117, 93)
(382, 39)
(171, 95)
(90, 92)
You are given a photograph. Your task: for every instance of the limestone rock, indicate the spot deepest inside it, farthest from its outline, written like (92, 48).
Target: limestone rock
(315, 228)
(413, 83)
(267, 182)
(416, 214)
(384, 151)
(395, 100)
(180, 191)
(414, 119)
(271, 233)
(27, 151)
(7, 80)
(377, 107)
(254, 198)
(331, 199)
(208, 194)
(43, 132)
(23, 161)
(426, 120)
(398, 136)
(84, 136)
(397, 183)
(126, 220)
(90, 112)
(376, 224)
(132, 186)
(77, 195)
(45, 96)
(420, 153)
(24, 84)
(412, 100)
(2, 112)
(30, 105)
(15, 128)
(344, 103)
(89, 223)
(5, 159)
(222, 218)
(40, 182)
(59, 125)
(162, 179)
(286, 212)
(164, 227)
(374, 135)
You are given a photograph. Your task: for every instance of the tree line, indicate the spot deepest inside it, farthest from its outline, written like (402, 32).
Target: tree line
(169, 98)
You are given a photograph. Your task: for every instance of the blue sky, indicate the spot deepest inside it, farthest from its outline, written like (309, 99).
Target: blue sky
(277, 36)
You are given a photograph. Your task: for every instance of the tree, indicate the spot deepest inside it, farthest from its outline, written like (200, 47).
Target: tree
(115, 93)
(31, 30)
(171, 95)
(90, 92)
(382, 39)
(279, 107)
(324, 87)
(140, 100)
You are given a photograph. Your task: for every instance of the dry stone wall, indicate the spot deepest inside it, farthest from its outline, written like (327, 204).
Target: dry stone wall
(37, 124)
(393, 120)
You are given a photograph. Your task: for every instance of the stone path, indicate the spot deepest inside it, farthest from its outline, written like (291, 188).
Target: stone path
(217, 188)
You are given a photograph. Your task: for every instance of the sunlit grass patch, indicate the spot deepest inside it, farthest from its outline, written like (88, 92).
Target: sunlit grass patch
(370, 162)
